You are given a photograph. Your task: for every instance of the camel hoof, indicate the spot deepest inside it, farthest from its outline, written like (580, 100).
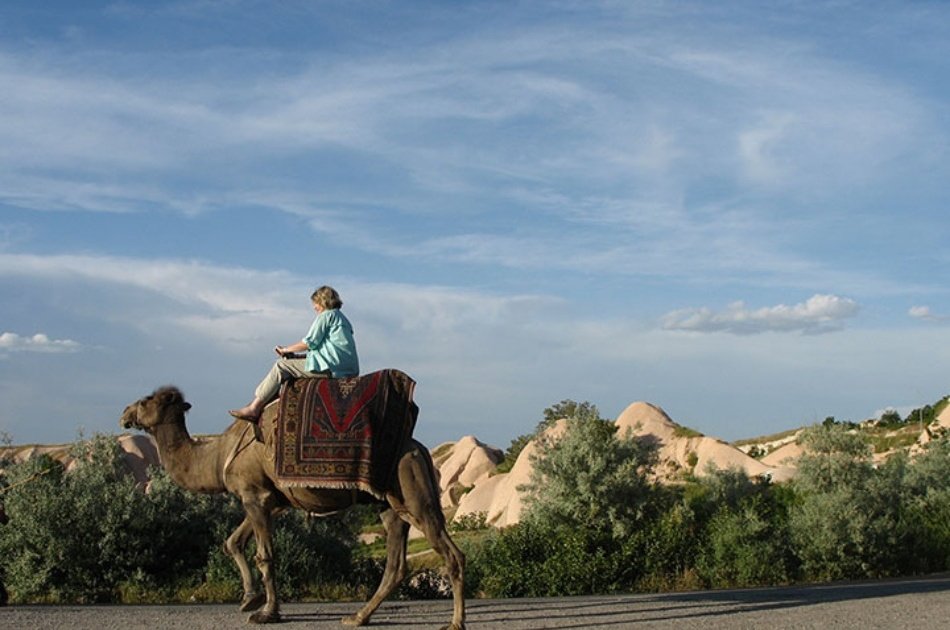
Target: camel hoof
(353, 620)
(264, 616)
(252, 601)
(454, 626)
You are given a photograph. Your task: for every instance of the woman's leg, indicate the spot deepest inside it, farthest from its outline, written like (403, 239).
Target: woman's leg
(282, 370)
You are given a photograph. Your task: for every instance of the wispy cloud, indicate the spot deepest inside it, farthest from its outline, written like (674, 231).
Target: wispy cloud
(925, 313)
(818, 314)
(232, 307)
(12, 342)
(584, 149)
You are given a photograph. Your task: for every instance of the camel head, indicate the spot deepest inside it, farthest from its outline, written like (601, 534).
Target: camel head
(165, 405)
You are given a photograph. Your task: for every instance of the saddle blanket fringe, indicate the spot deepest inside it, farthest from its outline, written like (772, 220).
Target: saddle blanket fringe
(346, 433)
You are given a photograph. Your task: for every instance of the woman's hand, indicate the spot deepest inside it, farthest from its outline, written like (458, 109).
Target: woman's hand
(291, 350)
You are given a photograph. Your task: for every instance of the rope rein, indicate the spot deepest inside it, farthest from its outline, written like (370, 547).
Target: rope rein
(235, 451)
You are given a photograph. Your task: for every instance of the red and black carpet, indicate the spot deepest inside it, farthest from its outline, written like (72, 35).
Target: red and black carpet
(345, 433)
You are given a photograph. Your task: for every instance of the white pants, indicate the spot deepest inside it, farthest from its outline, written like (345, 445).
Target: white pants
(283, 370)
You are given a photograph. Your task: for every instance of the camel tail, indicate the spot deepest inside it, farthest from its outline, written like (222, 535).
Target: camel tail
(433, 477)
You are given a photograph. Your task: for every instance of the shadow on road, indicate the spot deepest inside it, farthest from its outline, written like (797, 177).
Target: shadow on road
(623, 610)
(796, 606)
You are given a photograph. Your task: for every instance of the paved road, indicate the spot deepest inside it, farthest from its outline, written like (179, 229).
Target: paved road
(922, 603)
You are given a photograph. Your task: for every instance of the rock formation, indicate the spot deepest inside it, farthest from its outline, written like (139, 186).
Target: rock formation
(686, 452)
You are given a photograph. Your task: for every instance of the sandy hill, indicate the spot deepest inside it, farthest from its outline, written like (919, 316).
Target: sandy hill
(497, 496)
(680, 452)
(683, 451)
(463, 464)
(138, 453)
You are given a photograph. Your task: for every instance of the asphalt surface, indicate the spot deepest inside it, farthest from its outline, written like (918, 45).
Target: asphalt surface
(905, 603)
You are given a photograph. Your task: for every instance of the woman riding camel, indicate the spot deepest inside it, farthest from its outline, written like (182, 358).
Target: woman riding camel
(330, 348)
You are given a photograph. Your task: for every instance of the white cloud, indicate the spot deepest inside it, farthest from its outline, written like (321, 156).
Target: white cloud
(231, 306)
(818, 314)
(12, 342)
(927, 314)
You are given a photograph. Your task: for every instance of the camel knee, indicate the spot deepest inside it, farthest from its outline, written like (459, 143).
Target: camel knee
(230, 548)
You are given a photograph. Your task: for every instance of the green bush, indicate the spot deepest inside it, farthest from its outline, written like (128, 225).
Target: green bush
(744, 547)
(564, 410)
(666, 549)
(92, 535)
(534, 559)
(849, 521)
(85, 535)
(591, 478)
(927, 508)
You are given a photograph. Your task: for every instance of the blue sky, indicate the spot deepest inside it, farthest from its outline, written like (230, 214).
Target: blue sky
(736, 211)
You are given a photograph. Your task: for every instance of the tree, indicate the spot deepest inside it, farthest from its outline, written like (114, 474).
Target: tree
(847, 522)
(890, 419)
(922, 416)
(591, 477)
(927, 507)
(568, 410)
(834, 456)
(564, 410)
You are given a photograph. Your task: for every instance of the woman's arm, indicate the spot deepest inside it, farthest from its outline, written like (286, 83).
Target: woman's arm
(293, 348)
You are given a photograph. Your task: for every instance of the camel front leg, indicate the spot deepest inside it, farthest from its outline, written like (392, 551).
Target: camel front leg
(397, 531)
(262, 522)
(235, 546)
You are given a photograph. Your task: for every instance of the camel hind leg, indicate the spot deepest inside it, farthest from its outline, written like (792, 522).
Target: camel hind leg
(397, 531)
(422, 508)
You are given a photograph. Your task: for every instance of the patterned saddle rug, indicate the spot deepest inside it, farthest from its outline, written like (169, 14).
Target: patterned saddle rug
(344, 433)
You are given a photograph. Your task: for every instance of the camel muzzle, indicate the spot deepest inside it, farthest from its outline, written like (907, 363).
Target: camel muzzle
(129, 419)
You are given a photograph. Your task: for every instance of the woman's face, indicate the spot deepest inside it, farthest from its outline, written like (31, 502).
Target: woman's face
(319, 309)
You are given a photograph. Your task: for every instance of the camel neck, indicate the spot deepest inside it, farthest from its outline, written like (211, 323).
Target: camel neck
(192, 464)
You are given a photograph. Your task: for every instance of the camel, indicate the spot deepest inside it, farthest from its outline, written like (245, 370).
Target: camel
(237, 463)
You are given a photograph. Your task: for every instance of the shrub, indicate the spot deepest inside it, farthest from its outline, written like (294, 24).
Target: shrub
(848, 522)
(476, 521)
(86, 535)
(927, 503)
(564, 410)
(92, 536)
(591, 478)
(311, 552)
(534, 559)
(665, 549)
(744, 547)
